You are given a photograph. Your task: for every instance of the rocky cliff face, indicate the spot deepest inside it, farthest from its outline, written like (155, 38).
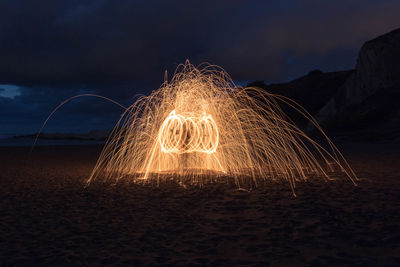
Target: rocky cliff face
(377, 69)
(378, 66)
(312, 91)
(363, 103)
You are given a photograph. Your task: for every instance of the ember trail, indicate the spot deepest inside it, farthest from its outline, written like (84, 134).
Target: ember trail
(199, 126)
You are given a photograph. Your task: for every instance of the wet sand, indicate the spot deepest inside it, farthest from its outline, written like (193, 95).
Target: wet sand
(48, 217)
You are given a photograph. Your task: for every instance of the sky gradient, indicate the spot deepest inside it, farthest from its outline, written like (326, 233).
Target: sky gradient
(51, 50)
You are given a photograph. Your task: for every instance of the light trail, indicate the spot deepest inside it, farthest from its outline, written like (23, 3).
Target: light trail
(199, 127)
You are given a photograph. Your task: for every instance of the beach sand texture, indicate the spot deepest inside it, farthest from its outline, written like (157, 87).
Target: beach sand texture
(49, 217)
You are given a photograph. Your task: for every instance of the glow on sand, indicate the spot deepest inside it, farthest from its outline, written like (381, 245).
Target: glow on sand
(200, 128)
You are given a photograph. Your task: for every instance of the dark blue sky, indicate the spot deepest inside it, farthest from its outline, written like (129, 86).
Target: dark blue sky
(51, 50)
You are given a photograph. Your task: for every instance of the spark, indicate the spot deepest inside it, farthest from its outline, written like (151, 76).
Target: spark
(186, 133)
(199, 126)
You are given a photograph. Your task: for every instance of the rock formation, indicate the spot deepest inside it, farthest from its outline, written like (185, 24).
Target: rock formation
(377, 68)
(363, 102)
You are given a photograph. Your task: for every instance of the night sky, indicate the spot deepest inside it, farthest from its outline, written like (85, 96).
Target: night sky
(51, 50)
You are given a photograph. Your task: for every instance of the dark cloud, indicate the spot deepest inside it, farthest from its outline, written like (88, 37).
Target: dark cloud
(114, 42)
(55, 49)
(26, 112)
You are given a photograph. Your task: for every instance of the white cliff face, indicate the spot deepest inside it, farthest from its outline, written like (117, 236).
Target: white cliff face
(378, 67)
(378, 64)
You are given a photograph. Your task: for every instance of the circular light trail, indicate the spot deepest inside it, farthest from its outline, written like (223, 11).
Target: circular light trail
(187, 133)
(199, 126)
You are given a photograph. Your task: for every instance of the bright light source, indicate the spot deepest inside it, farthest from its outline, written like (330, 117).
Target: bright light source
(200, 126)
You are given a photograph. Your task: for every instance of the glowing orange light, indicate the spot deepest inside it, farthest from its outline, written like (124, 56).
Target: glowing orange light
(200, 123)
(186, 133)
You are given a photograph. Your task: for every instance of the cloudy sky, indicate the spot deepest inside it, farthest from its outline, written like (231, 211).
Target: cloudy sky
(51, 50)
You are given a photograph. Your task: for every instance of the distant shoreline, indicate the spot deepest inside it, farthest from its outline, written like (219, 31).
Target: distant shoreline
(94, 135)
(28, 141)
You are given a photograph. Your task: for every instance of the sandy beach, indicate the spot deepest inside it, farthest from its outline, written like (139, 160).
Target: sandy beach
(48, 217)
